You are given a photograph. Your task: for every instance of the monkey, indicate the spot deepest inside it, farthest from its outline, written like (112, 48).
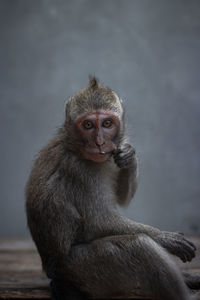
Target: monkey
(78, 180)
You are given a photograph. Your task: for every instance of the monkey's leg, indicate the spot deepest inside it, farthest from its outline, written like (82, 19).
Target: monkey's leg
(116, 265)
(192, 280)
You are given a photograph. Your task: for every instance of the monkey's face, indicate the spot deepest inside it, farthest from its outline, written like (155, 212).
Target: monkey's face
(98, 132)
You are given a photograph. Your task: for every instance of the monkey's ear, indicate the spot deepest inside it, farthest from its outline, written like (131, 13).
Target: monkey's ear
(93, 83)
(67, 109)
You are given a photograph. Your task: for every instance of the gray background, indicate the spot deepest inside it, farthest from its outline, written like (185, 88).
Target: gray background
(148, 51)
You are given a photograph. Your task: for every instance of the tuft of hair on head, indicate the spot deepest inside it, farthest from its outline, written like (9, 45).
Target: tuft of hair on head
(93, 83)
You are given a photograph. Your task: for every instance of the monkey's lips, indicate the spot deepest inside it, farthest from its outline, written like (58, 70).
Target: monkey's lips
(97, 156)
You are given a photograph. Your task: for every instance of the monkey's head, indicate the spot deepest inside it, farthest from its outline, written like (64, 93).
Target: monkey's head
(94, 122)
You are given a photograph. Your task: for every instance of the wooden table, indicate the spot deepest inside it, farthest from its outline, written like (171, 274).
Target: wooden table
(21, 276)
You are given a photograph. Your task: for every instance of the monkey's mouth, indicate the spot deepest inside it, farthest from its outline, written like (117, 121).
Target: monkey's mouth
(103, 153)
(101, 150)
(97, 156)
(99, 153)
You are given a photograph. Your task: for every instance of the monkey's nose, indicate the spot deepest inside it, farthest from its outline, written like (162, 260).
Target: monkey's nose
(99, 143)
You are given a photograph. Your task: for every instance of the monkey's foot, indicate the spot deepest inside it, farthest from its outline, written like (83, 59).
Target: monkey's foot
(65, 291)
(192, 280)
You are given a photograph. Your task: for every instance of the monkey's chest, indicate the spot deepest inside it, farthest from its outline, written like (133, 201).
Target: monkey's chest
(98, 213)
(96, 201)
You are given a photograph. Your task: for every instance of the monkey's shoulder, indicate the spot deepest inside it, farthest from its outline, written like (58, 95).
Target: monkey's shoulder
(58, 169)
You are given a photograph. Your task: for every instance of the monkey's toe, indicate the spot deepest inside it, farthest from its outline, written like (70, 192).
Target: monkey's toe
(192, 280)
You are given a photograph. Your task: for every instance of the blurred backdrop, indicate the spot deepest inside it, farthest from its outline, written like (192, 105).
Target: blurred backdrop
(148, 51)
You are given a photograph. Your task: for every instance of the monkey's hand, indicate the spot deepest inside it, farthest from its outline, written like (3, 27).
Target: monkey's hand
(177, 244)
(125, 157)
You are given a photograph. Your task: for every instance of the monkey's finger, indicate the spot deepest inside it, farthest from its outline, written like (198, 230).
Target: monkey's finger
(123, 162)
(181, 234)
(123, 157)
(181, 254)
(181, 249)
(188, 251)
(126, 154)
(125, 150)
(189, 247)
(129, 152)
(116, 151)
(120, 156)
(128, 147)
(190, 243)
(182, 257)
(188, 255)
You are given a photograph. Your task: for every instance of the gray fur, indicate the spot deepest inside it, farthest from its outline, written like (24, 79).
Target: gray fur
(93, 97)
(73, 218)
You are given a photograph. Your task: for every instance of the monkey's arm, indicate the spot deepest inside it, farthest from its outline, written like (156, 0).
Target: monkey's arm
(53, 221)
(174, 242)
(126, 186)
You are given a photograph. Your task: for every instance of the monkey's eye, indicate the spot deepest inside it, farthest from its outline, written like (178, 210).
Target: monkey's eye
(87, 124)
(107, 123)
